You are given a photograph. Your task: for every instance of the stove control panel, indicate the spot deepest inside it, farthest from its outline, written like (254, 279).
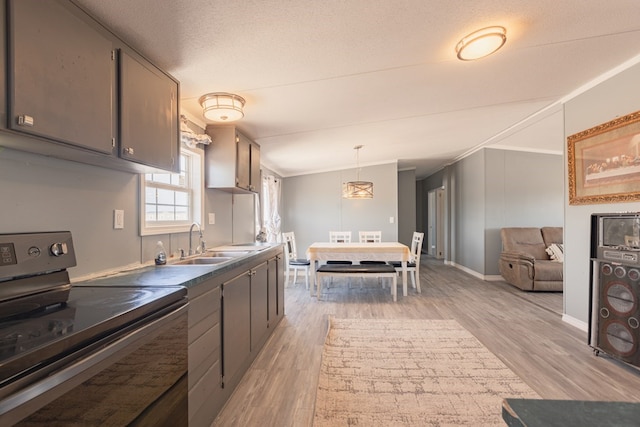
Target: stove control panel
(28, 254)
(7, 254)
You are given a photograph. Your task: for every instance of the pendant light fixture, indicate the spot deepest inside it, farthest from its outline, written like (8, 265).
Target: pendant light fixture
(481, 43)
(357, 189)
(222, 107)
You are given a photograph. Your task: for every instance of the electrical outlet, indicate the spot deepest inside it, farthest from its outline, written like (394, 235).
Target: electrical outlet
(391, 220)
(212, 218)
(118, 219)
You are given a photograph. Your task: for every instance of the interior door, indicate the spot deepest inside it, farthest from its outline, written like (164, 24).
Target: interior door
(431, 223)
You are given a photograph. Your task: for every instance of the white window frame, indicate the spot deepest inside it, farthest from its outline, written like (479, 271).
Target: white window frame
(195, 185)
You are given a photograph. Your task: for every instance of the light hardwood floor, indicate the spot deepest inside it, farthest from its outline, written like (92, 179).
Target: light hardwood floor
(524, 330)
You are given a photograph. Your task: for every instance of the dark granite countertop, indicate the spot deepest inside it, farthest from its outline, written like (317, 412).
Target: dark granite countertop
(174, 274)
(568, 413)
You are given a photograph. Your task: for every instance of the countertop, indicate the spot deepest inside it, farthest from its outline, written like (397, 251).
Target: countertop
(567, 413)
(173, 274)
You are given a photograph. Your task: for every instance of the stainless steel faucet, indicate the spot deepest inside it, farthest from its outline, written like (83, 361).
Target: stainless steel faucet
(195, 224)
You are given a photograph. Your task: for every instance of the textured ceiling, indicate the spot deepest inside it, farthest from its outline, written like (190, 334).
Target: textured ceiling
(320, 77)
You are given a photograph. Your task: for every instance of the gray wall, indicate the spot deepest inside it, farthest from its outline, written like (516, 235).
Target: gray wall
(523, 190)
(406, 206)
(470, 212)
(313, 205)
(617, 96)
(44, 194)
(495, 188)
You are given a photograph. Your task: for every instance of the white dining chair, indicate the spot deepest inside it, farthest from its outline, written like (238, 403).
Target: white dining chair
(413, 266)
(370, 237)
(339, 237)
(293, 262)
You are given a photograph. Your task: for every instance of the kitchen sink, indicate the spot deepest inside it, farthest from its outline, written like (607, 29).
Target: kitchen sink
(204, 260)
(225, 254)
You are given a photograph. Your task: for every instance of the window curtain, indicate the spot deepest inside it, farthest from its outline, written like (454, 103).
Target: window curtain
(271, 188)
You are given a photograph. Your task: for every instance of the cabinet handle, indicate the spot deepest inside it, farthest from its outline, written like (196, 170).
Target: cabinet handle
(128, 151)
(24, 120)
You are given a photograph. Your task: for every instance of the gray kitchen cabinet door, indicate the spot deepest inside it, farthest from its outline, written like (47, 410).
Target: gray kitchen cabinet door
(273, 292)
(255, 179)
(243, 162)
(149, 118)
(259, 307)
(61, 75)
(236, 326)
(280, 286)
(248, 164)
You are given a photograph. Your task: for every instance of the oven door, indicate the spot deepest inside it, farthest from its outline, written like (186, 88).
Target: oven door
(137, 378)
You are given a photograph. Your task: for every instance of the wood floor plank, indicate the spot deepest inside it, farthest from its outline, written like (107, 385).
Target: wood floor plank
(524, 330)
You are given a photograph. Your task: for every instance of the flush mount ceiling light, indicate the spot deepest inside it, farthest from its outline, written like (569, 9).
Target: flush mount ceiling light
(481, 43)
(357, 189)
(222, 107)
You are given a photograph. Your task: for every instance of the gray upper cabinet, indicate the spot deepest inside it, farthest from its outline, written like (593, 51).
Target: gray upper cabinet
(232, 160)
(148, 114)
(78, 92)
(61, 75)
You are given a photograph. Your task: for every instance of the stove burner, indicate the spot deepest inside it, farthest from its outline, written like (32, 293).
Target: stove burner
(20, 335)
(119, 299)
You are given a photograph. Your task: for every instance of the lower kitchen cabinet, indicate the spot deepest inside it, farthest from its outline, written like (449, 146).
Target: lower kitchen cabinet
(259, 307)
(231, 316)
(279, 286)
(205, 359)
(236, 326)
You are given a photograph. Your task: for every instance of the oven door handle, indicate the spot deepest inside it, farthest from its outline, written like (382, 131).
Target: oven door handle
(30, 399)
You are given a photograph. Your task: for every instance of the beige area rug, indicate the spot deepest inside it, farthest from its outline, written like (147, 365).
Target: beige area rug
(398, 372)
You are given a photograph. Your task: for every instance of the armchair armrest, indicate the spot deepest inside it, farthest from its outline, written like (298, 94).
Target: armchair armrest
(517, 257)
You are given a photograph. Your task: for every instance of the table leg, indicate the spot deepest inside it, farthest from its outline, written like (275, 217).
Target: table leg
(404, 278)
(312, 281)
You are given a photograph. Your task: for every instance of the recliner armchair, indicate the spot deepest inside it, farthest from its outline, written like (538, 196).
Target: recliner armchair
(524, 261)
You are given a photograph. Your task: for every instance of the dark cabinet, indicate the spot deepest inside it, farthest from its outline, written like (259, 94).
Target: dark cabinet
(62, 75)
(259, 306)
(275, 299)
(231, 316)
(232, 160)
(78, 92)
(272, 296)
(280, 286)
(247, 164)
(148, 114)
(236, 326)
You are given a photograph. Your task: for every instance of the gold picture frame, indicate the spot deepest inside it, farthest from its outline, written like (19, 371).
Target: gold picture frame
(604, 162)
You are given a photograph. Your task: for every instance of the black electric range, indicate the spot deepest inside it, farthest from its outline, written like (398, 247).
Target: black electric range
(30, 342)
(45, 323)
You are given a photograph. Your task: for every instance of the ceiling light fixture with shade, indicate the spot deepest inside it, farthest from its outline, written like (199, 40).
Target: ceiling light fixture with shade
(357, 189)
(481, 43)
(222, 107)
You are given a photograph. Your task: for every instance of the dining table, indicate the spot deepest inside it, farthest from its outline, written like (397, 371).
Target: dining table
(356, 252)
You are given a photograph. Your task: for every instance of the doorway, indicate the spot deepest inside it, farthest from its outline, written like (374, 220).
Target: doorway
(435, 223)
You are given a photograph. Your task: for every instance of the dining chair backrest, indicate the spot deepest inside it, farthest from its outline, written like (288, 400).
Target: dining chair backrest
(340, 237)
(416, 246)
(290, 245)
(370, 236)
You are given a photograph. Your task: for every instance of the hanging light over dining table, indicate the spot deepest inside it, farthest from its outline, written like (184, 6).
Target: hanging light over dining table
(357, 189)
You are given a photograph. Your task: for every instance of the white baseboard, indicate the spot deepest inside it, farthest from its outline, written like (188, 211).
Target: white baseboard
(468, 271)
(487, 277)
(583, 326)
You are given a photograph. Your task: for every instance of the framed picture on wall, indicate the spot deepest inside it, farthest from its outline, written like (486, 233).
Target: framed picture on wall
(604, 162)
